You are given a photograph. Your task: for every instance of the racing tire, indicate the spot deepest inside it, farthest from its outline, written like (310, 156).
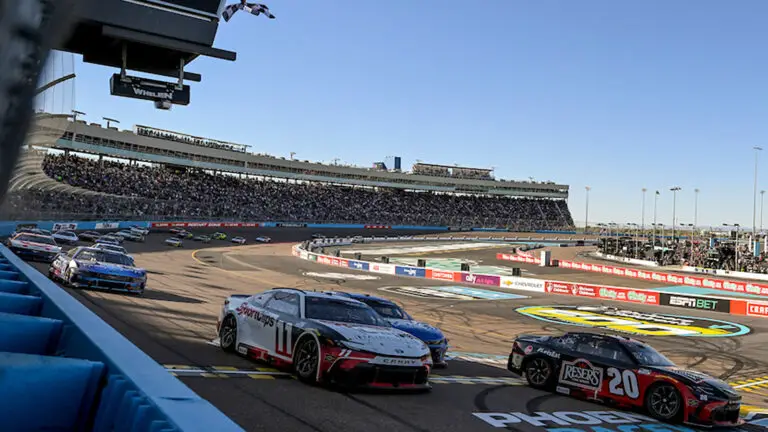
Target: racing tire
(540, 373)
(228, 334)
(664, 402)
(306, 360)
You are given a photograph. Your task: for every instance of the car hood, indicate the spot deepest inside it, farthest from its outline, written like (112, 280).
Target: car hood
(418, 329)
(379, 340)
(111, 269)
(698, 378)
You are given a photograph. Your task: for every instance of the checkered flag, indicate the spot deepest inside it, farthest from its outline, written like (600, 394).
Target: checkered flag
(252, 8)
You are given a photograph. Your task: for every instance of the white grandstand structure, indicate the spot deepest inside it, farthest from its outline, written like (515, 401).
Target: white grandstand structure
(160, 146)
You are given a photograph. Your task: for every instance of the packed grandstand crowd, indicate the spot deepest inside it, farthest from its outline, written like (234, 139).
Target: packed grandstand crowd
(721, 255)
(136, 191)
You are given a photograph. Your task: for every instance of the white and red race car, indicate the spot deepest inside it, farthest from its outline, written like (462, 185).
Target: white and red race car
(34, 247)
(324, 338)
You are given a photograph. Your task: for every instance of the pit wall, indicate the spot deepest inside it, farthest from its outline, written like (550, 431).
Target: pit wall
(598, 292)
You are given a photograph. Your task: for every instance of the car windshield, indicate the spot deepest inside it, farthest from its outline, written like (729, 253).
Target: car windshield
(36, 239)
(104, 257)
(386, 309)
(646, 355)
(112, 248)
(342, 311)
(66, 233)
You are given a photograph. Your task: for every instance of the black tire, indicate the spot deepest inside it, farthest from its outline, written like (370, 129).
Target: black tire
(28, 30)
(663, 402)
(305, 360)
(540, 373)
(228, 334)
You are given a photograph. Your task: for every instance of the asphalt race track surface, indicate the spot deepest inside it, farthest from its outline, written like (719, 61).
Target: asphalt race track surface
(174, 322)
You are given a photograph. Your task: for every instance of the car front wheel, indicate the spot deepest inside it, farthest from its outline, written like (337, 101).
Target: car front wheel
(664, 402)
(305, 362)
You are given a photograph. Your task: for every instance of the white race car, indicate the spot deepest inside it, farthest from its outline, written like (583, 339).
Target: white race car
(238, 240)
(110, 247)
(139, 230)
(34, 247)
(174, 242)
(324, 338)
(65, 237)
(263, 239)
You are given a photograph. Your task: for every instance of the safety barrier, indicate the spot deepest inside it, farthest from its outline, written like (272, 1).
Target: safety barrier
(573, 289)
(63, 368)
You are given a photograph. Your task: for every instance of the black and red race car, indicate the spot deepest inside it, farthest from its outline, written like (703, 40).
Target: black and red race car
(624, 372)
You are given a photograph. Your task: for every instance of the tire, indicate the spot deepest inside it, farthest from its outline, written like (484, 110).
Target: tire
(663, 402)
(27, 31)
(228, 334)
(305, 361)
(540, 373)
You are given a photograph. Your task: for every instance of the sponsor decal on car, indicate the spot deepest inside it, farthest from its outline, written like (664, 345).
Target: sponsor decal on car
(548, 352)
(394, 361)
(341, 276)
(260, 317)
(634, 322)
(568, 421)
(581, 373)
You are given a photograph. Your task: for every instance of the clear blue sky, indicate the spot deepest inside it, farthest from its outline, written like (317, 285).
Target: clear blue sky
(617, 95)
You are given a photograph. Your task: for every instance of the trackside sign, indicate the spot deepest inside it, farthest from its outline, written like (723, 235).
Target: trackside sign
(572, 421)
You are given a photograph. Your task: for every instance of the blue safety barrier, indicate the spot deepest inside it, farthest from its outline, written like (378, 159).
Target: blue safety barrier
(63, 368)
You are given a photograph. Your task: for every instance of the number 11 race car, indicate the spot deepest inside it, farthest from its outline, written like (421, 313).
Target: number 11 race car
(624, 372)
(324, 338)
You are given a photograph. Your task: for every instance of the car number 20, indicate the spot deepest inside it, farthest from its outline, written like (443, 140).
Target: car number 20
(623, 383)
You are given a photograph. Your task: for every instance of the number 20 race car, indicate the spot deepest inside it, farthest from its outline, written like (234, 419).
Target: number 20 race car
(624, 372)
(325, 338)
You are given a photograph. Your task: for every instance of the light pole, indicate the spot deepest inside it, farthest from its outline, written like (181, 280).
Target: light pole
(586, 215)
(762, 196)
(674, 208)
(642, 217)
(695, 207)
(754, 193)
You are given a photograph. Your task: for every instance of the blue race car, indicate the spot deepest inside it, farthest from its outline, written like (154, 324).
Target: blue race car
(86, 267)
(399, 319)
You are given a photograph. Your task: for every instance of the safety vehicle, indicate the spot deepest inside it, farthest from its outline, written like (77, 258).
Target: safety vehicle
(624, 372)
(324, 338)
(398, 318)
(239, 240)
(86, 267)
(34, 247)
(65, 237)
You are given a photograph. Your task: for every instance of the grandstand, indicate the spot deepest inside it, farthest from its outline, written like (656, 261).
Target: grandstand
(200, 183)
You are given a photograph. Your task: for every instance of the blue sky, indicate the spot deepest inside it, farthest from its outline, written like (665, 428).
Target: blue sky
(616, 95)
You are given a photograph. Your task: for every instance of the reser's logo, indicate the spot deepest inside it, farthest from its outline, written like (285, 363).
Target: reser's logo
(581, 373)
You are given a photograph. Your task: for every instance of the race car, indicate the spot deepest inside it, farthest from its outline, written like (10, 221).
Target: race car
(139, 230)
(31, 230)
(65, 237)
(219, 236)
(183, 234)
(238, 240)
(130, 236)
(110, 248)
(85, 267)
(263, 239)
(34, 247)
(625, 372)
(91, 236)
(399, 319)
(203, 238)
(177, 230)
(174, 242)
(110, 238)
(318, 236)
(323, 338)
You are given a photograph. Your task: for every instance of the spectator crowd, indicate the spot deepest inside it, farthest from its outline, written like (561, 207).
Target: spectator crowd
(186, 139)
(134, 191)
(721, 255)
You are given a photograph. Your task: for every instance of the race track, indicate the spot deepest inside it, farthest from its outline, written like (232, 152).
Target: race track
(174, 323)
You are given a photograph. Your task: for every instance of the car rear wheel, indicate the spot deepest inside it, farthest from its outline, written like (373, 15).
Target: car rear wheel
(664, 402)
(539, 372)
(305, 362)
(228, 334)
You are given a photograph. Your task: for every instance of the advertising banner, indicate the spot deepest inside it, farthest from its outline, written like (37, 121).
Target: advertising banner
(445, 275)
(312, 257)
(520, 283)
(303, 254)
(358, 265)
(324, 259)
(479, 279)
(339, 262)
(757, 309)
(695, 302)
(411, 271)
(204, 224)
(528, 259)
(64, 227)
(26, 226)
(107, 225)
(290, 225)
(555, 287)
(377, 227)
(382, 268)
(602, 292)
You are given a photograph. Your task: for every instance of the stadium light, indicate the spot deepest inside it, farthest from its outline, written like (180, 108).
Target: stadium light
(642, 215)
(762, 196)
(695, 207)
(109, 121)
(655, 204)
(674, 208)
(754, 193)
